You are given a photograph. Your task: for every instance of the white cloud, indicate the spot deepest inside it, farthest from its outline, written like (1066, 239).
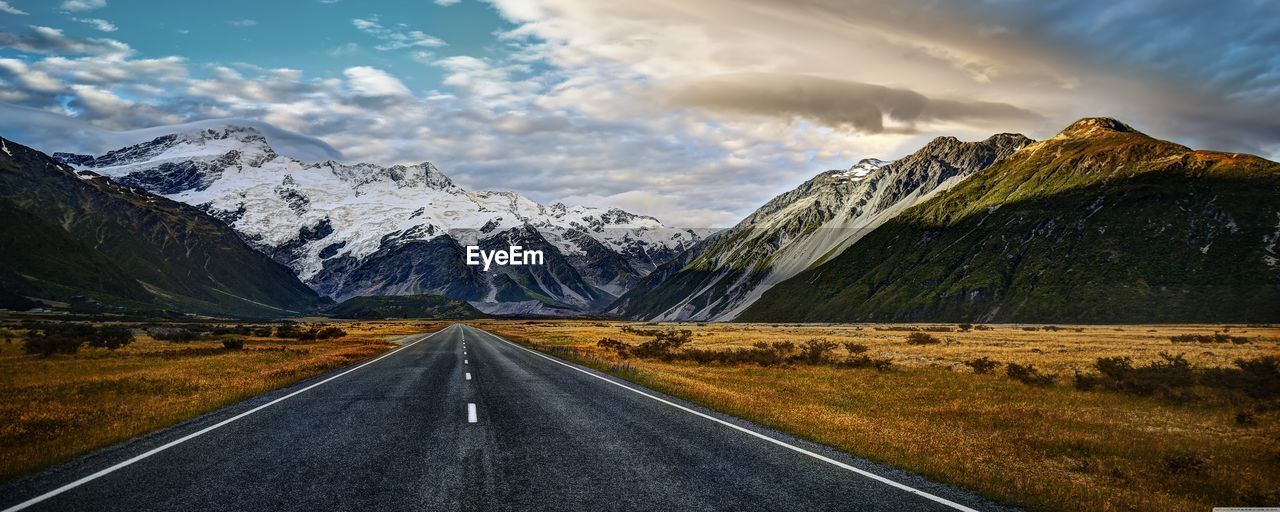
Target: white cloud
(396, 38)
(446, 3)
(6, 8)
(98, 23)
(368, 81)
(83, 5)
(243, 23)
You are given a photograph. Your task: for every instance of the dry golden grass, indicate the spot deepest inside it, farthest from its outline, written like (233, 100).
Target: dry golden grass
(58, 407)
(1052, 448)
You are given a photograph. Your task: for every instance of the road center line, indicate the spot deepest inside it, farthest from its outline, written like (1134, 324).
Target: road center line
(468, 375)
(747, 431)
(471, 413)
(200, 432)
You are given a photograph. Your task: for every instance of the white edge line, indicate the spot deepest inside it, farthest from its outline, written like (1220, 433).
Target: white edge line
(188, 437)
(750, 432)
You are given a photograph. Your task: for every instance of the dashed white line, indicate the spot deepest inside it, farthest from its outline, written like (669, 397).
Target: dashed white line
(464, 361)
(200, 432)
(747, 431)
(468, 375)
(471, 413)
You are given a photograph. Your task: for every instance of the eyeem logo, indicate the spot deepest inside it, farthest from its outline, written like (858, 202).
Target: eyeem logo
(514, 255)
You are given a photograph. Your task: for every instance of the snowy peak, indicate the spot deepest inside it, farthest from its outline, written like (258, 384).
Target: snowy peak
(861, 169)
(351, 229)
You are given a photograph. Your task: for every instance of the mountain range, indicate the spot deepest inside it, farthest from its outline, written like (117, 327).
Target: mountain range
(1099, 223)
(82, 240)
(366, 230)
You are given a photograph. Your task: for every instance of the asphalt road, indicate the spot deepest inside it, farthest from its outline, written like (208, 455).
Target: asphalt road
(463, 420)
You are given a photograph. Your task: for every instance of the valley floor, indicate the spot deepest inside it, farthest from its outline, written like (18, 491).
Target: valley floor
(1148, 441)
(1025, 415)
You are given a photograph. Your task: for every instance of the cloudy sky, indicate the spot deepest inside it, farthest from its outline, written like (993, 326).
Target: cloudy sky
(694, 112)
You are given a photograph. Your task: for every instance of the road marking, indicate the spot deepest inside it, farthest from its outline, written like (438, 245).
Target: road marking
(468, 375)
(471, 413)
(464, 361)
(198, 433)
(747, 431)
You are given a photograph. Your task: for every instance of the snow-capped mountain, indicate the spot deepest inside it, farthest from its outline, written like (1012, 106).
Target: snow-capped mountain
(362, 229)
(727, 272)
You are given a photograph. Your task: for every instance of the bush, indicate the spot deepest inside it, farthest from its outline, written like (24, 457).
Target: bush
(965, 327)
(922, 338)
(864, 361)
(1158, 377)
(663, 343)
(982, 365)
(815, 351)
(1028, 375)
(983, 327)
(233, 343)
(173, 334)
(330, 332)
(1217, 337)
(49, 339)
(262, 331)
(288, 330)
(621, 348)
(855, 348)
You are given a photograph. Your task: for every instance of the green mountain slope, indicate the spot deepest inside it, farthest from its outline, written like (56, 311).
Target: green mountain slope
(65, 235)
(1098, 224)
(403, 306)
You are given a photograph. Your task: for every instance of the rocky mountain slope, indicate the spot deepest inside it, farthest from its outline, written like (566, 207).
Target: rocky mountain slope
(80, 238)
(363, 229)
(723, 275)
(1100, 223)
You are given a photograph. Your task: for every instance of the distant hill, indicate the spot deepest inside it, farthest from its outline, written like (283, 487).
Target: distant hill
(77, 237)
(1100, 223)
(403, 306)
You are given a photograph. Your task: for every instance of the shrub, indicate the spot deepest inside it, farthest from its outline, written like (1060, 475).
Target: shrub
(982, 365)
(173, 334)
(815, 351)
(965, 327)
(864, 361)
(262, 331)
(233, 343)
(617, 346)
(662, 344)
(48, 339)
(111, 337)
(983, 327)
(288, 330)
(1183, 463)
(855, 348)
(922, 338)
(1217, 337)
(330, 332)
(1028, 374)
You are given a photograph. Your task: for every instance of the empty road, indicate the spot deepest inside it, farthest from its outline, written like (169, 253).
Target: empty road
(464, 420)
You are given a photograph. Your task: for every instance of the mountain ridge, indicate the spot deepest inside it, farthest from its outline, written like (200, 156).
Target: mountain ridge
(1100, 223)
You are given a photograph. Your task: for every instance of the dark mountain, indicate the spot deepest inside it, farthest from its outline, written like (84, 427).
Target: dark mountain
(725, 273)
(403, 306)
(68, 236)
(1100, 223)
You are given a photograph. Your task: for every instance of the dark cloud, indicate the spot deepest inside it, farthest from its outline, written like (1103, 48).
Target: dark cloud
(837, 103)
(47, 40)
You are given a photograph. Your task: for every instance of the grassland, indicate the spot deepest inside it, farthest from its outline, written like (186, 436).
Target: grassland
(60, 406)
(1050, 447)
